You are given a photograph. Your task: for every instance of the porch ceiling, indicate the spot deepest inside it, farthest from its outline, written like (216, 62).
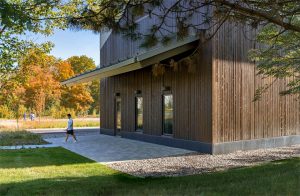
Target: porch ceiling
(140, 61)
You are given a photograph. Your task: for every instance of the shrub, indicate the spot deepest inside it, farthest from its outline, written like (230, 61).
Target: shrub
(12, 138)
(5, 112)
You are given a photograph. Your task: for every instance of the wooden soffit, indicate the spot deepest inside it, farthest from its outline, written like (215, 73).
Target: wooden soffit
(140, 61)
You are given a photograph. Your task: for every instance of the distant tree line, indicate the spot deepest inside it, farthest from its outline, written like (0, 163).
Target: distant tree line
(277, 24)
(35, 87)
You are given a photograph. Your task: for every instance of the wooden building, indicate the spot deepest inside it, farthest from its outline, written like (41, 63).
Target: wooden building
(209, 109)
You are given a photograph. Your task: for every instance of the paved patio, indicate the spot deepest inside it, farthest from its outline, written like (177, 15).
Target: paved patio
(146, 159)
(108, 149)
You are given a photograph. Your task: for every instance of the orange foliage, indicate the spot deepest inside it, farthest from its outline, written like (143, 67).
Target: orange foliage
(36, 85)
(40, 88)
(77, 97)
(63, 70)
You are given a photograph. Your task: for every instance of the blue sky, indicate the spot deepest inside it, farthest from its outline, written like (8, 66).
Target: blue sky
(69, 43)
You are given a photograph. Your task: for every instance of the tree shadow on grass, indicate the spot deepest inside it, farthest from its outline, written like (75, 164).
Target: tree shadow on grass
(269, 179)
(39, 157)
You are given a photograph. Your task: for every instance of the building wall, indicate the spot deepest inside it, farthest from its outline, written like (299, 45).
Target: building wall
(235, 115)
(191, 94)
(118, 47)
(214, 104)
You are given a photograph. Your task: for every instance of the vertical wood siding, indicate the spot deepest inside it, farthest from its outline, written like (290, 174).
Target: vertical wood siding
(235, 79)
(191, 94)
(119, 47)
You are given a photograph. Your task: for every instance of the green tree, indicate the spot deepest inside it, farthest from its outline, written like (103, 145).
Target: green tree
(18, 18)
(81, 64)
(15, 100)
(95, 93)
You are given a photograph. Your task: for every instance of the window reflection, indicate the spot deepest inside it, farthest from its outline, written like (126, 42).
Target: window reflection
(139, 113)
(118, 112)
(168, 114)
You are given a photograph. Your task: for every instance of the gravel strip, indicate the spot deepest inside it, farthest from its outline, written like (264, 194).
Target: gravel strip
(196, 163)
(17, 147)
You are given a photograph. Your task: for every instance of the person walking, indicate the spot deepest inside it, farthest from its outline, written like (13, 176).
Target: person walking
(70, 130)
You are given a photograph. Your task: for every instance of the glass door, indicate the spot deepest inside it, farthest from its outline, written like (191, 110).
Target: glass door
(139, 114)
(118, 124)
(168, 114)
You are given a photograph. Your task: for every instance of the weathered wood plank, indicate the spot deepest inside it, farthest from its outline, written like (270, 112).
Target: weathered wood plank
(235, 79)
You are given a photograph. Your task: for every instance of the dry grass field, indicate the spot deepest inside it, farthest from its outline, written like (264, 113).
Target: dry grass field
(11, 125)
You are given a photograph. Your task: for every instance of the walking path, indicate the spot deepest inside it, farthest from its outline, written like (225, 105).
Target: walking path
(108, 149)
(146, 159)
(61, 132)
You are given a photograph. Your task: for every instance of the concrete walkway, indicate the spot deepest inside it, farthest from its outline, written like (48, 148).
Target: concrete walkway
(108, 149)
(61, 132)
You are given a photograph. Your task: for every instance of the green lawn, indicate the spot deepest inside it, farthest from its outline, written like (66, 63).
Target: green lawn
(57, 171)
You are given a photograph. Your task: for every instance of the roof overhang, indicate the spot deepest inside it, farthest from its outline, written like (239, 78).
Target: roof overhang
(140, 61)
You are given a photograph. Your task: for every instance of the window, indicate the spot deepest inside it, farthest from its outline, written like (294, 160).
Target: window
(139, 113)
(118, 113)
(168, 114)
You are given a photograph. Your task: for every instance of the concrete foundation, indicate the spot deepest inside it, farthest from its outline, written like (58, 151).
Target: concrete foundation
(170, 141)
(219, 148)
(107, 131)
(228, 147)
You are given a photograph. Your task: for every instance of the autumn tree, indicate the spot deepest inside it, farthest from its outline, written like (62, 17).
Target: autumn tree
(77, 97)
(14, 99)
(35, 85)
(12, 95)
(18, 18)
(41, 87)
(63, 70)
(81, 64)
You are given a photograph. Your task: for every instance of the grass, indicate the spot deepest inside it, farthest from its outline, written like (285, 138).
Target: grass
(56, 171)
(12, 138)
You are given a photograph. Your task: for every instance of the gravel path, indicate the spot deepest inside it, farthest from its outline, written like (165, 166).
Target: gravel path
(196, 163)
(28, 146)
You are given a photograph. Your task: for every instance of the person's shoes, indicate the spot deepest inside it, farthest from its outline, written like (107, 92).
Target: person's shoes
(75, 141)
